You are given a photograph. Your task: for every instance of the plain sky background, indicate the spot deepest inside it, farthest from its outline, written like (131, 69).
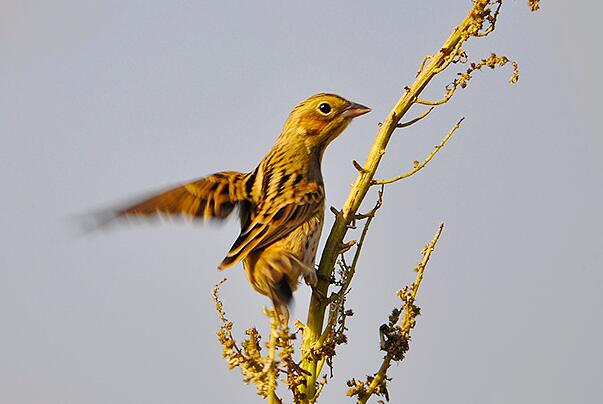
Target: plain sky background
(103, 100)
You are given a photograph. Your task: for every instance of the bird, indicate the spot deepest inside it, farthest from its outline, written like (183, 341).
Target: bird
(280, 203)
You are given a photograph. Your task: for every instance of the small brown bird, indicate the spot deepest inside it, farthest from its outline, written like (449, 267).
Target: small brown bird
(281, 203)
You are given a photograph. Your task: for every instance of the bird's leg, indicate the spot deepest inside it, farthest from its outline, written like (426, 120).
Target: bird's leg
(309, 274)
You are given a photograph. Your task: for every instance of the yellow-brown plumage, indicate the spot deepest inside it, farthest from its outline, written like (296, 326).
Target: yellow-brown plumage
(281, 202)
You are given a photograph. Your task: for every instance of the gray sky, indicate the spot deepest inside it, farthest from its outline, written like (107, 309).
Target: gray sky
(101, 101)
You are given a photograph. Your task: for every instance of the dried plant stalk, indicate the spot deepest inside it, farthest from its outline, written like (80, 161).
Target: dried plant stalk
(479, 22)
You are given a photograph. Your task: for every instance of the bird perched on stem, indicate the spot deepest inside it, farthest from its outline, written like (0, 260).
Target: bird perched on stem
(281, 203)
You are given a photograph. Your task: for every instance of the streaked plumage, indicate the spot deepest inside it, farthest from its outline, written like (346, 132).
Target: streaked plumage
(281, 202)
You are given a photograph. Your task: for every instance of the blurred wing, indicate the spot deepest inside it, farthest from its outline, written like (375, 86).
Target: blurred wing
(275, 219)
(214, 196)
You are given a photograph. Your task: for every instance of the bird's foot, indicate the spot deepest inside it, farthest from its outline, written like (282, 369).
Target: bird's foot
(310, 276)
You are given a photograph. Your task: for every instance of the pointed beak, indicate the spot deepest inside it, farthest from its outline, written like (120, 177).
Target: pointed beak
(355, 110)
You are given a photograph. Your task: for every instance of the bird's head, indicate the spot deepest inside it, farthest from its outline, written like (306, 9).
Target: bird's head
(319, 119)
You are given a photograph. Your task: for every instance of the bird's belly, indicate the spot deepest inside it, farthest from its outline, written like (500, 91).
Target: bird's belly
(302, 243)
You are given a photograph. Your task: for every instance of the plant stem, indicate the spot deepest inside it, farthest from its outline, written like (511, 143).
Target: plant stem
(406, 323)
(318, 305)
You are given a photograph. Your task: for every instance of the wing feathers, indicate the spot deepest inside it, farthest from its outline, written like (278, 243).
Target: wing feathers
(274, 219)
(214, 196)
(264, 219)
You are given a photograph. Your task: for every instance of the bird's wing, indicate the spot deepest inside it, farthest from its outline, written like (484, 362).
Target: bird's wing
(275, 218)
(214, 196)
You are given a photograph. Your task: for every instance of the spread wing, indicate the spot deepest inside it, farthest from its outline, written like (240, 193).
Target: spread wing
(214, 196)
(274, 219)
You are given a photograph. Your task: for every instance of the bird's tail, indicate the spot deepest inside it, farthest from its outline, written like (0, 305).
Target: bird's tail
(281, 295)
(275, 273)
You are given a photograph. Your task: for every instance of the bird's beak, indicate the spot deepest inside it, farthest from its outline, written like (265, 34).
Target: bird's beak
(355, 110)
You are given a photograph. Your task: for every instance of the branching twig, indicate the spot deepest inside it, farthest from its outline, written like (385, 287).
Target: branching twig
(422, 65)
(324, 348)
(463, 78)
(418, 166)
(395, 338)
(270, 364)
(414, 120)
(262, 371)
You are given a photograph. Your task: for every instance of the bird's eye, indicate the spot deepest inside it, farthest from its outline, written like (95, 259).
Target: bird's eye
(324, 108)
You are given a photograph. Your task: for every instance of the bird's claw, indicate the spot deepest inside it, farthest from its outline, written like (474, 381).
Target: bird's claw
(310, 277)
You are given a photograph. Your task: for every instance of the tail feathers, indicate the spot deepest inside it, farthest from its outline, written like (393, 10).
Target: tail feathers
(275, 273)
(281, 295)
(280, 274)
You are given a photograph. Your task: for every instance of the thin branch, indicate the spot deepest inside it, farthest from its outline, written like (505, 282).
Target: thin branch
(406, 325)
(351, 270)
(415, 120)
(450, 89)
(425, 59)
(462, 79)
(225, 332)
(418, 166)
(321, 385)
(270, 364)
(337, 298)
(357, 166)
(492, 18)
